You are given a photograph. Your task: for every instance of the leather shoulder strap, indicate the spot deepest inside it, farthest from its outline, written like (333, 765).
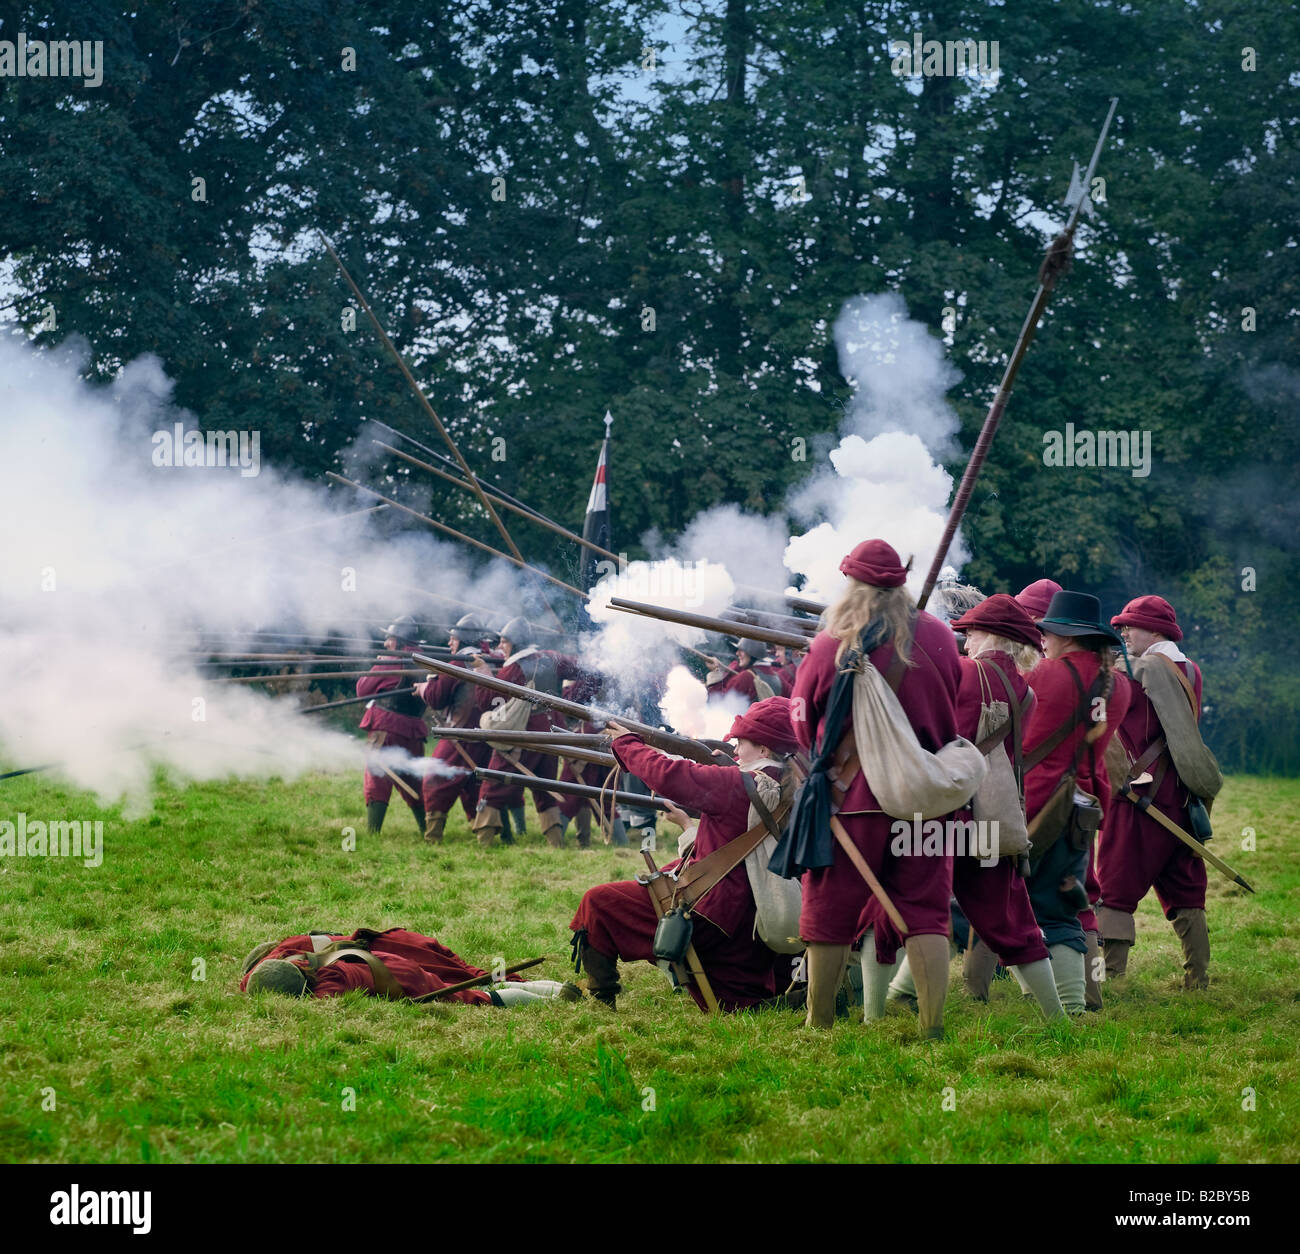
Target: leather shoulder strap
(1186, 683)
(386, 984)
(1014, 726)
(698, 878)
(1068, 727)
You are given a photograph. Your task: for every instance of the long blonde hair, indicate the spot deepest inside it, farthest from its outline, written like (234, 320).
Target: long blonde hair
(1025, 656)
(861, 603)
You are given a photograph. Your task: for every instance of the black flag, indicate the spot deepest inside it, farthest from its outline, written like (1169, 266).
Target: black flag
(595, 529)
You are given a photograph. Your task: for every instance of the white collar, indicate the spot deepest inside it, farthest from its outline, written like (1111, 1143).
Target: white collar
(1167, 648)
(761, 764)
(528, 652)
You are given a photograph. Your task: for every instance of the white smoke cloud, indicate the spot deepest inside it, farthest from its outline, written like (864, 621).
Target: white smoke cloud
(111, 564)
(685, 705)
(886, 480)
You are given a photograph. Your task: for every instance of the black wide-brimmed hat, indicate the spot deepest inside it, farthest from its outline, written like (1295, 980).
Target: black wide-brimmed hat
(1076, 614)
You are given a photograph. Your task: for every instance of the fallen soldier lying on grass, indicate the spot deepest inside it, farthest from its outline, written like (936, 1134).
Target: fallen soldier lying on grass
(396, 964)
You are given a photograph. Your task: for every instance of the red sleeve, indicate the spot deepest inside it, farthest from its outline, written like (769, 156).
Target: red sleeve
(585, 683)
(708, 789)
(812, 684)
(383, 675)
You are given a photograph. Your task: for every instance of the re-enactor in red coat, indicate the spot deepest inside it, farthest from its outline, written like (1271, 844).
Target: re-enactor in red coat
(1136, 853)
(1075, 687)
(837, 904)
(456, 703)
(617, 921)
(417, 964)
(394, 723)
(544, 671)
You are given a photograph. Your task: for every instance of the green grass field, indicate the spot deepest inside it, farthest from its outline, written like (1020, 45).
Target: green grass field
(112, 1051)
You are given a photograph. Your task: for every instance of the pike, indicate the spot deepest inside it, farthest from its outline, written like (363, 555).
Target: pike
(669, 742)
(284, 679)
(573, 789)
(1174, 829)
(523, 512)
(428, 409)
(459, 535)
(1055, 264)
(725, 626)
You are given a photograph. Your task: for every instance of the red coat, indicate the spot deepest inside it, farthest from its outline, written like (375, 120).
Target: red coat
(718, 793)
(380, 680)
(1057, 700)
(420, 964)
(1139, 728)
(566, 668)
(737, 681)
(927, 693)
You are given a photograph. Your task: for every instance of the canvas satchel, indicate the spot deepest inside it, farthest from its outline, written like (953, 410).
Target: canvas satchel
(1000, 799)
(1174, 698)
(777, 901)
(906, 778)
(512, 714)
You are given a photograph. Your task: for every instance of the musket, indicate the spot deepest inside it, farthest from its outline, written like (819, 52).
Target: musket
(669, 742)
(477, 980)
(540, 784)
(526, 739)
(558, 746)
(284, 679)
(1144, 804)
(803, 603)
(767, 618)
(725, 626)
(1055, 264)
(334, 705)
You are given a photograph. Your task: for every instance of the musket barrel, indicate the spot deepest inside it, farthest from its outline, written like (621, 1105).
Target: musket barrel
(574, 790)
(669, 742)
(726, 626)
(767, 618)
(803, 603)
(584, 740)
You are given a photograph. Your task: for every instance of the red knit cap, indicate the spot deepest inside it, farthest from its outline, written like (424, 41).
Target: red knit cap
(1153, 613)
(1002, 615)
(876, 563)
(767, 723)
(1035, 599)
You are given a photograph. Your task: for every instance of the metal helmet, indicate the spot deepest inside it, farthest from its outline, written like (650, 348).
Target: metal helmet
(519, 631)
(404, 629)
(278, 975)
(755, 648)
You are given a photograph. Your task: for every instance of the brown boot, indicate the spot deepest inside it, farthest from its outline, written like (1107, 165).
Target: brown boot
(552, 823)
(825, 973)
(1094, 971)
(977, 969)
(582, 827)
(433, 827)
(1118, 934)
(486, 825)
(602, 974)
(929, 960)
(1192, 929)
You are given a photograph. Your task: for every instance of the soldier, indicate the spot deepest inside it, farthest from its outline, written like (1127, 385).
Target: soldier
(394, 722)
(918, 656)
(617, 921)
(1080, 700)
(745, 675)
(787, 664)
(1163, 747)
(1034, 598)
(579, 810)
(1001, 644)
(395, 964)
(544, 671)
(457, 703)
